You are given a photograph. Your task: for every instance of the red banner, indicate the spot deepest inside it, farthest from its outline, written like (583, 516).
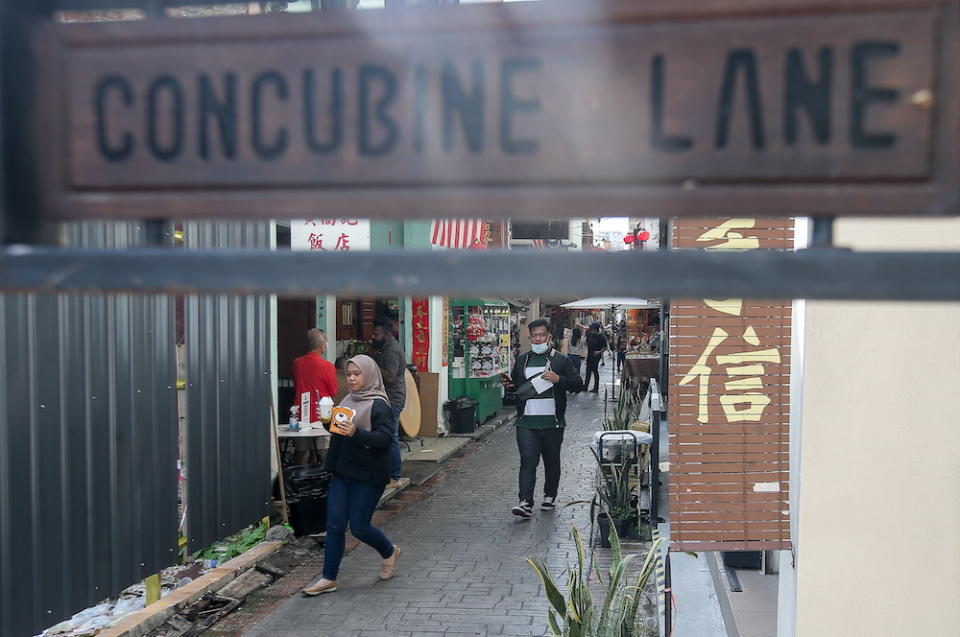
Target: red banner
(421, 333)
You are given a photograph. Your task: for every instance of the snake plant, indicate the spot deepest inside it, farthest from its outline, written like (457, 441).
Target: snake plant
(616, 610)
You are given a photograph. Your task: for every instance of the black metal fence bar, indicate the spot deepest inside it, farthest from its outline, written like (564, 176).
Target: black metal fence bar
(656, 418)
(810, 274)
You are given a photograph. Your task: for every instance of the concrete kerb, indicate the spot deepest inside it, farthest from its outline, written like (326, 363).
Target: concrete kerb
(717, 574)
(143, 621)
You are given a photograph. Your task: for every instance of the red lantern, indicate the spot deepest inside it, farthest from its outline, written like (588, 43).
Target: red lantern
(643, 235)
(628, 238)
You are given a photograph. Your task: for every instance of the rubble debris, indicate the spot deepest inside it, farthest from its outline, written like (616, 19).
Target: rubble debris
(202, 615)
(93, 620)
(278, 533)
(246, 584)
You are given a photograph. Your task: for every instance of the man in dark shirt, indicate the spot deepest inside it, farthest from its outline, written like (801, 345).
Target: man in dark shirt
(393, 363)
(596, 345)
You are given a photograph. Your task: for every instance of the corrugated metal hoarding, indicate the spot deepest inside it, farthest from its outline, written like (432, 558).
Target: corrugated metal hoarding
(88, 431)
(729, 411)
(88, 445)
(227, 340)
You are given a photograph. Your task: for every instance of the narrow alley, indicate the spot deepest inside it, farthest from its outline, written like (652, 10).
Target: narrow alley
(462, 569)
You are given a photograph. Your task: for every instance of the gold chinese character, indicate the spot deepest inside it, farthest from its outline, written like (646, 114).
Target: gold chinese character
(747, 375)
(702, 371)
(732, 240)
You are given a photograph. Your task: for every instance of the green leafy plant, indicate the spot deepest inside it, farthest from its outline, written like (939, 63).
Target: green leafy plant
(234, 545)
(624, 412)
(614, 491)
(617, 611)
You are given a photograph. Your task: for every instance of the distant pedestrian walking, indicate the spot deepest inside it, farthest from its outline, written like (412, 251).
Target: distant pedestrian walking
(622, 340)
(359, 460)
(577, 348)
(596, 346)
(542, 377)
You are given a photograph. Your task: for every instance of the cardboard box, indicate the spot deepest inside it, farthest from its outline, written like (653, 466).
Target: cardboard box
(429, 397)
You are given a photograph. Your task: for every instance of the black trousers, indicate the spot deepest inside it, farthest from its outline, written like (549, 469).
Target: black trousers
(593, 365)
(533, 445)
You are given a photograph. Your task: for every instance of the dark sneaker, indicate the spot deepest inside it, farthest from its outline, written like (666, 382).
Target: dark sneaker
(523, 510)
(548, 504)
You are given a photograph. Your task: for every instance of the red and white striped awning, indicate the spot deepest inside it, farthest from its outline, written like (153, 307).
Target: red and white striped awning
(456, 233)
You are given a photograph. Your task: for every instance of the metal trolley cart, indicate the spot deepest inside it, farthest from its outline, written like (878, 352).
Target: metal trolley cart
(623, 463)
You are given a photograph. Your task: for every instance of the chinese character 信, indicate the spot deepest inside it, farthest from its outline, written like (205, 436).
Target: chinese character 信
(743, 368)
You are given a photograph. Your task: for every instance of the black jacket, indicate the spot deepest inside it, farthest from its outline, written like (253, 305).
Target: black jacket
(596, 342)
(560, 364)
(364, 457)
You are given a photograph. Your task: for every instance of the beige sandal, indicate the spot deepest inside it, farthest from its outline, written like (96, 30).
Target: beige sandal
(389, 566)
(319, 587)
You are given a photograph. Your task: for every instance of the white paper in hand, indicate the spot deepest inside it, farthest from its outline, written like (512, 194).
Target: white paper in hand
(540, 384)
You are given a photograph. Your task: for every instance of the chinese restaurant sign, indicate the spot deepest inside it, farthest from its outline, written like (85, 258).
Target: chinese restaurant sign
(730, 403)
(660, 108)
(421, 332)
(330, 235)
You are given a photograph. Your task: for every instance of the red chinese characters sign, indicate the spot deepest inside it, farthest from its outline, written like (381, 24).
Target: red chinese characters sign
(730, 403)
(421, 333)
(330, 235)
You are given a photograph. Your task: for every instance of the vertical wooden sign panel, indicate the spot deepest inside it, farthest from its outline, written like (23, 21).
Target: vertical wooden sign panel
(730, 403)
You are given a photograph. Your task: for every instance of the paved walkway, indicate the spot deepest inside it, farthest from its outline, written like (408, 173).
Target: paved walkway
(462, 570)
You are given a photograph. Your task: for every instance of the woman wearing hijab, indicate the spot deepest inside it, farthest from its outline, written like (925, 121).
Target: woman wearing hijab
(360, 463)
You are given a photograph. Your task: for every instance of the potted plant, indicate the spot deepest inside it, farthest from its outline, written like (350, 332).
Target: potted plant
(617, 612)
(616, 497)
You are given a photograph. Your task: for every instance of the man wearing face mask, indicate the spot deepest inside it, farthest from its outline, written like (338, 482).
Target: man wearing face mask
(540, 419)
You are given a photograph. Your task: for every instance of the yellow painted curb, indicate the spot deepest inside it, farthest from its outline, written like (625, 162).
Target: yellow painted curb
(143, 621)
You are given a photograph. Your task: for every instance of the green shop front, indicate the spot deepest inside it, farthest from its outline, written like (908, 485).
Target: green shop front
(479, 352)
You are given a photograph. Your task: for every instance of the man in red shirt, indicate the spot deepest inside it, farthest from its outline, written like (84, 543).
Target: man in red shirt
(313, 374)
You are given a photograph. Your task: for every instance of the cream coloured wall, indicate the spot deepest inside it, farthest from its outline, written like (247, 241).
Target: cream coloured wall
(878, 533)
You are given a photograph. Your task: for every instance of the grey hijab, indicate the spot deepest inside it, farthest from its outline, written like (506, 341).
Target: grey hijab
(361, 401)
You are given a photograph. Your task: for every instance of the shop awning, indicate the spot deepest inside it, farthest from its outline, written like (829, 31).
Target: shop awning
(612, 303)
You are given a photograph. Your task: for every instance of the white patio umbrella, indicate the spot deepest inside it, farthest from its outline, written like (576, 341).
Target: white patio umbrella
(613, 303)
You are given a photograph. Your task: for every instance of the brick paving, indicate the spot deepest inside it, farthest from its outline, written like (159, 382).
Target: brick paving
(462, 570)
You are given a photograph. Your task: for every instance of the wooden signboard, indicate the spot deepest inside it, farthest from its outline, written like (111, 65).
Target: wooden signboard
(729, 409)
(660, 108)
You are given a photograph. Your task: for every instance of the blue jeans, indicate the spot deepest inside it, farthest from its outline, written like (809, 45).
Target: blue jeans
(395, 445)
(353, 502)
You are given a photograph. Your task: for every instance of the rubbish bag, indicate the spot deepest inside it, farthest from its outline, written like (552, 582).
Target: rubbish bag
(307, 481)
(461, 414)
(307, 488)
